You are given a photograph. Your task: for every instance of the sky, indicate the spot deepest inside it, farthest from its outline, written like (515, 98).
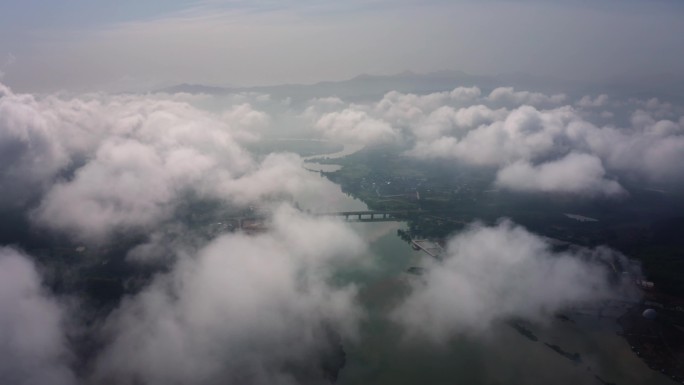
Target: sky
(85, 46)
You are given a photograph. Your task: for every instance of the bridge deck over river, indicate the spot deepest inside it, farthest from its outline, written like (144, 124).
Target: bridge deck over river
(370, 216)
(351, 216)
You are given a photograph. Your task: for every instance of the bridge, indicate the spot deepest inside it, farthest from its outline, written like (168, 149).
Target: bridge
(351, 216)
(370, 216)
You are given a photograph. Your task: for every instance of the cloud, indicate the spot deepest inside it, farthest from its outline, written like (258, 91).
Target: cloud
(588, 102)
(33, 149)
(265, 308)
(522, 133)
(490, 274)
(101, 163)
(329, 101)
(574, 173)
(404, 110)
(246, 118)
(254, 309)
(447, 120)
(507, 96)
(387, 120)
(277, 175)
(355, 126)
(516, 139)
(650, 151)
(465, 94)
(34, 349)
(249, 309)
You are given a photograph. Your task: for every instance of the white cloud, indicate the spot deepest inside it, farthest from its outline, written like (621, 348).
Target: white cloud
(523, 133)
(246, 118)
(404, 110)
(574, 173)
(106, 163)
(456, 122)
(491, 274)
(34, 349)
(277, 175)
(329, 101)
(507, 96)
(465, 94)
(650, 149)
(248, 309)
(462, 126)
(355, 127)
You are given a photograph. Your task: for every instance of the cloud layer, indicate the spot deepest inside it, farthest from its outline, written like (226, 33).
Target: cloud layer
(266, 308)
(104, 163)
(535, 141)
(125, 160)
(492, 274)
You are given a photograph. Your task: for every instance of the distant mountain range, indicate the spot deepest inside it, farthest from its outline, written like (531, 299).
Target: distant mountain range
(373, 86)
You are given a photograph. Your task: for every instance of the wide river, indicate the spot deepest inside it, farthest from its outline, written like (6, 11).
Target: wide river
(382, 355)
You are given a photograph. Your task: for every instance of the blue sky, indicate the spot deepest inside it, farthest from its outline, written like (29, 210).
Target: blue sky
(93, 45)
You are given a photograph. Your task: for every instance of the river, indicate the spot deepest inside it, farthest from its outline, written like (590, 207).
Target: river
(347, 150)
(382, 355)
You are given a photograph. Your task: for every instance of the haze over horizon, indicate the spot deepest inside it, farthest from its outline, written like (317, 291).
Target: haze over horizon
(81, 46)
